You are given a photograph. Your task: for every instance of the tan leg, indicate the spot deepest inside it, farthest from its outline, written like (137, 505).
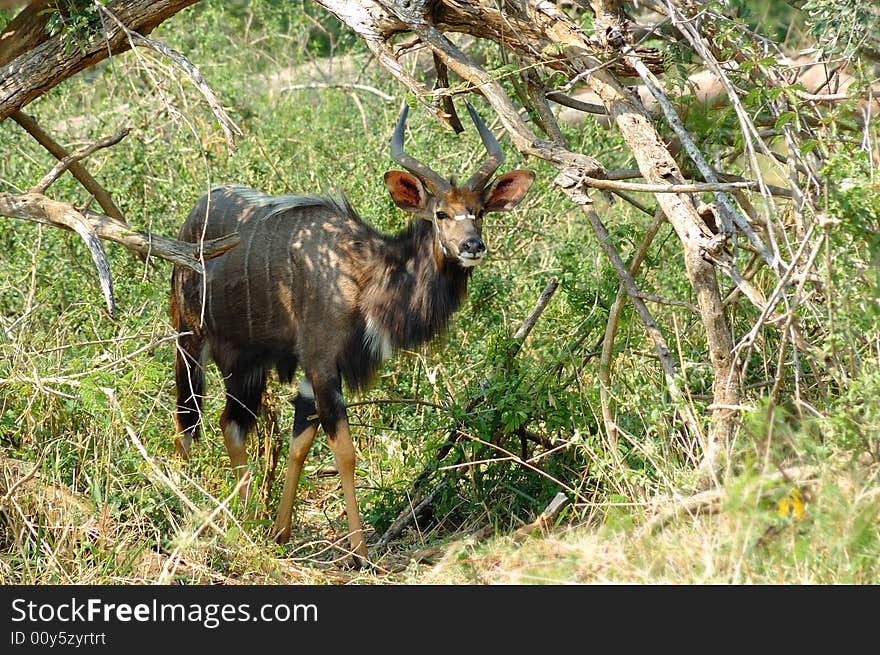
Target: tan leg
(299, 448)
(182, 444)
(343, 453)
(236, 447)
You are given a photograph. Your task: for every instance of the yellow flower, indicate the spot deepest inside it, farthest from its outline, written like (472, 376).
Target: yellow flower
(791, 505)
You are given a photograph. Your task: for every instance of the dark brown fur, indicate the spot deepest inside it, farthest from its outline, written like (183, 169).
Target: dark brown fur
(253, 322)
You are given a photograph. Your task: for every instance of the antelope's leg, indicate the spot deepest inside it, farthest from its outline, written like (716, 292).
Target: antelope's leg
(334, 420)
(235, 440)
(189, 379)
(244, 395)
(305, 426)
(343, 453)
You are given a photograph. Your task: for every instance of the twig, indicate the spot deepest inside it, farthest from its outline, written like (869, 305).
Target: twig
(630, 173)
(538, 97)
(22, 480)
(230, 129)
(511, 457)
(173, 561)
(397, 401)
(65, 163)
(666, 360)
(632, 201)
(699, 187)
(769, 307)
(729, 214)
(666, 301)
(520, 336)
(76, 169)
(408, 516)
(441, 84)
(346, 86)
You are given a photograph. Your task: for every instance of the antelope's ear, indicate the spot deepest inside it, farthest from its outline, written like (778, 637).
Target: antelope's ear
(407, 191)
(507, 190)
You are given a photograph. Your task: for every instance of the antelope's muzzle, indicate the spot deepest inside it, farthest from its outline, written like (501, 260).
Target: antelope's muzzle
(471, 252)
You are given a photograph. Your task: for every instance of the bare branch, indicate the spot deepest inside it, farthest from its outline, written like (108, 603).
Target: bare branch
(76, 169)
(25, 75)
(40, 209)
(68, 161)
(611, 331)
(230, 129)
(700, 187)
(78, 224)
(635, 295)
(345, 86)
(729, 214)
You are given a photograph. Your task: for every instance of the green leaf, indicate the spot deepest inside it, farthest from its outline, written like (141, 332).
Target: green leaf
(807, 146)
(785, 118)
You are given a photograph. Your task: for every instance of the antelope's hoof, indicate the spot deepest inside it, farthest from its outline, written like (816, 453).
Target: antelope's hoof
(181, 448)
(281, 535)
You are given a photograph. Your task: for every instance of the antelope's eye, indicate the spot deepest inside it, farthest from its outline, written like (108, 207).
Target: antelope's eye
(441, 215)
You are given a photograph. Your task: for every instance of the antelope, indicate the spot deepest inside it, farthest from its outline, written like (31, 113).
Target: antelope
(311, 285)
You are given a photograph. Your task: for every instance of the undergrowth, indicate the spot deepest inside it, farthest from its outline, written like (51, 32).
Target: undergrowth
(91, 492)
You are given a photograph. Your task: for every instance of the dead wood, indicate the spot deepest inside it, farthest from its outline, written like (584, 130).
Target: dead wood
(40, 209)
(65, 163)
(545, 520)
(75, 167)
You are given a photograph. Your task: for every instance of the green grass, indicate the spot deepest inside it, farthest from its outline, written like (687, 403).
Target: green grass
(85, 397)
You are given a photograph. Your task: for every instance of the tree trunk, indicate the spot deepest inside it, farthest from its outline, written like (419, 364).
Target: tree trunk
(32, 62)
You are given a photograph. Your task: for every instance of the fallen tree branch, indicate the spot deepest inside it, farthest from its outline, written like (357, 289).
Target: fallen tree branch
(40, 209)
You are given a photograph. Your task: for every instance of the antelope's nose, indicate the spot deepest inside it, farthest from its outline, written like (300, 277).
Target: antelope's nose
(473, 247)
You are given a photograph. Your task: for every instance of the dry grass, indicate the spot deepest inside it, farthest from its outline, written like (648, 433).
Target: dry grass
(749, 532)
